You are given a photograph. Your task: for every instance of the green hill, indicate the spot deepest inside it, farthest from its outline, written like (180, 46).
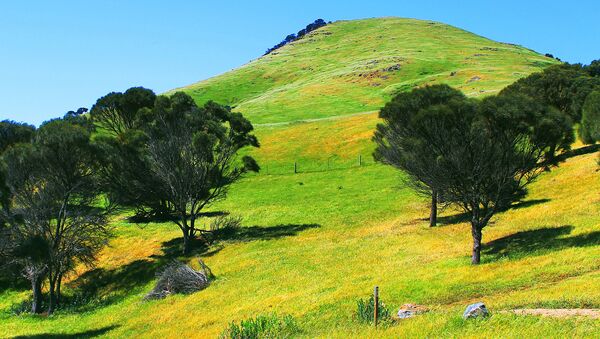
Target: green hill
(315, 242)
(355, 66)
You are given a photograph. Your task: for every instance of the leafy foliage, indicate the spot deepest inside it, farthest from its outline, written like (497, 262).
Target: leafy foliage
(590, 121)
(263, 326)
(365, 310)
(563, 86)
(119, 112)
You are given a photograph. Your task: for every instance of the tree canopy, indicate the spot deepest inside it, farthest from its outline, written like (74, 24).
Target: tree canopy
(590, 120)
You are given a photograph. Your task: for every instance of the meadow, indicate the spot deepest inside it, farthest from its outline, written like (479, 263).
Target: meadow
(315, 242)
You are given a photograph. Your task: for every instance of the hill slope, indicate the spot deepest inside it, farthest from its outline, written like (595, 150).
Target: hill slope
(354, 66)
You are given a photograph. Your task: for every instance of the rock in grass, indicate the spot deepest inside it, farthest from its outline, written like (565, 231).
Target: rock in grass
(410, 310)
(476, 310)
(180, 278)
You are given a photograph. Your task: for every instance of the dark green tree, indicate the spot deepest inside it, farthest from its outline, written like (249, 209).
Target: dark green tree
(590, 121)
(12, 132)
(54, 202)
(484, 153)
(184, 159)
(563, 86)
(403, 144)
(593, 68)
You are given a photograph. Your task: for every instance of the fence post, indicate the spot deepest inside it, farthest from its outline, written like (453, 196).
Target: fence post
(376, 302)
(360, 160)
(295, 167)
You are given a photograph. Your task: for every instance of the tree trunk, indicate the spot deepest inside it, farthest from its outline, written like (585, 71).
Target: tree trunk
(58, 294)
(36, 286)
(433, 214)
(476, 232)
(52, 292)
(186, 241)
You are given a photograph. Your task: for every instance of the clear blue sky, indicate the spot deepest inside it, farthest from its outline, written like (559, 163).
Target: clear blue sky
(60, 55)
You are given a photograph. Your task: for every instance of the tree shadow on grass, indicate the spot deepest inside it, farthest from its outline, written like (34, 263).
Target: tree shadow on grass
(85, 334)
(465, 217)
(539, 241)
(146, 219)
(244, 234)
(211, 244)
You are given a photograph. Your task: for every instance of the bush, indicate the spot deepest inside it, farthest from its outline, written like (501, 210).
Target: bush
(366, 308)
(178, 278)
(263, 326)
(225, 223)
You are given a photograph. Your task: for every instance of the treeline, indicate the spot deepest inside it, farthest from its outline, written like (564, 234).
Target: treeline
(158, 155)
(293, 37)
(481, 155)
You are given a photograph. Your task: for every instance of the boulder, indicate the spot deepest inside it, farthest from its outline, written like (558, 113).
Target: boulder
(410, 310)
(476, 310)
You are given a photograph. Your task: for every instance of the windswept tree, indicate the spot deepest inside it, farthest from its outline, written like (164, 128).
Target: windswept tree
(484, 153)
(403, 144)
(55, 216)
(187, 153)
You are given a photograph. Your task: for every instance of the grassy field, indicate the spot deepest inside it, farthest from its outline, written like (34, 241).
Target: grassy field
(315, 242)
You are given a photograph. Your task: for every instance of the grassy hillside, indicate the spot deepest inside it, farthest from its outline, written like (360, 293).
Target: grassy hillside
(354, 66)
(315, 242)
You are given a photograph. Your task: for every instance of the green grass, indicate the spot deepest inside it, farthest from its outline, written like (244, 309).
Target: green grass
(314, 257)
(314, 243)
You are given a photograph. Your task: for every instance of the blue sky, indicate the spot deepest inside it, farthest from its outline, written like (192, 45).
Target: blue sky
(60, 55)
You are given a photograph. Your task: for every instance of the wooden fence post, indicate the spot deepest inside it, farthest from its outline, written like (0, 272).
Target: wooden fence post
(295, 167)
(376, 302)
(360, 160)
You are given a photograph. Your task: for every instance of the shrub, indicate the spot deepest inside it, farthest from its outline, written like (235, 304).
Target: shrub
(178, 278)
(263, 326)
(225, 223)
(365, 310)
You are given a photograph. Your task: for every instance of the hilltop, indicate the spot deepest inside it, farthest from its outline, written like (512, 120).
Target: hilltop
(355, 66)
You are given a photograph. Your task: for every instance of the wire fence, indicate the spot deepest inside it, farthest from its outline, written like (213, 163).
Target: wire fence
(311, 166)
